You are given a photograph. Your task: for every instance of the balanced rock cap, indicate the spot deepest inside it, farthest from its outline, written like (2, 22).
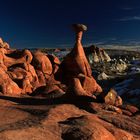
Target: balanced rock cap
(79, 27)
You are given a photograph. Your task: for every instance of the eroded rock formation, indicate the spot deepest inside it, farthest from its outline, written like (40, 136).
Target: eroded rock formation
(75, 69)
(22, 72)
(96, 54)
(35, 73)
(25, 72)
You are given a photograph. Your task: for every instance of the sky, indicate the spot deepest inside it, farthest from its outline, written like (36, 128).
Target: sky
(47, 23)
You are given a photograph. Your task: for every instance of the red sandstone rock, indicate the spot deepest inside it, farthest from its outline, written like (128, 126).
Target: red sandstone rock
(54, 59)
(113, 108)
(49, 91)
(8, 87)
(34, 77)
(29, 77)
(23, 79)
(41, 62)
(41, 78)
(17, 64)
(76, 63)
(26, 57)
(4, 44)
(1, 42)
(64, 121)
(55, 62)
(1, 61)
(77, 89)
(130, 108)
(89, 84)
(126, 112)
(112, 98)
(26, 77)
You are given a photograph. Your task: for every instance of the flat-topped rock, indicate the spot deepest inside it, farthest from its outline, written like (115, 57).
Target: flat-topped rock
(79, 27)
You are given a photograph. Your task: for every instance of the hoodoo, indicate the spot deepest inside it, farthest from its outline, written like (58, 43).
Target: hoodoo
(76, 64)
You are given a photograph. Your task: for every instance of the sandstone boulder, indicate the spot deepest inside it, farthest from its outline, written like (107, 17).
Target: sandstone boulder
(55, 62)
(26, 80)
(14, 58)
(89, 84)
(7, 86)
(112, 98)
(41, 62)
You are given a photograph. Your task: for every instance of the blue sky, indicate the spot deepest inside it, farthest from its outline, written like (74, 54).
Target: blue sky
(47, 23)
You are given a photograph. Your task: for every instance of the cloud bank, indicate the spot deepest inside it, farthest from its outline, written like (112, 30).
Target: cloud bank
(132, 18)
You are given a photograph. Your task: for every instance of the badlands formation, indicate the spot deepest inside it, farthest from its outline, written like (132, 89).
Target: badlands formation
(43, 98)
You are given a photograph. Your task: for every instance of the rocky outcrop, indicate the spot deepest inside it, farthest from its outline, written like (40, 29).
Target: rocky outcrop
(95, 54)
(65, 121)
(41, 62)
(22, 71)
(103, 76)
(55, 62)
(118, 65)
(75, 69)
(7, 85)
(37, 72)
(112, 98)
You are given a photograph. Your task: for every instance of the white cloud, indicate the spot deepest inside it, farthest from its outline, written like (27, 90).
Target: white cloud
(127, 8)
(130, 18)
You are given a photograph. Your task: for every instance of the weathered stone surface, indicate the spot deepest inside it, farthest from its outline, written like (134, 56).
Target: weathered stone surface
(7, 86)
(36, 118)
(41, 78)
(112, 98)
(18, 78)
(126, 112)
(25, 57)
(76, 64)
(4, 44)
(103, 76)
(1, 41)
(55, 62)
(76, 88)
(41, 62)
(130, 108)
(26, 72)
(65, 122)
(95, 54)
(113, 108)
(53, 59)
(89, 84)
